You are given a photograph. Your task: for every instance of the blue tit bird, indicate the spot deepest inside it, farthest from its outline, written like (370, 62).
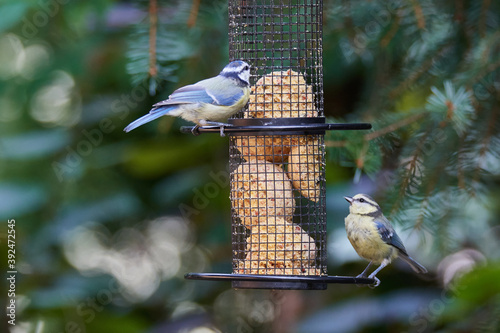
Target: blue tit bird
(373, 237)
(207, 102)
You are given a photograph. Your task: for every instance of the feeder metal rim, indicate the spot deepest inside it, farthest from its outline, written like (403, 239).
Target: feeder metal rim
(279, 278)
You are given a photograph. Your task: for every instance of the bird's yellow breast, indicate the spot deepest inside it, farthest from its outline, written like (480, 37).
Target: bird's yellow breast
(365, 239)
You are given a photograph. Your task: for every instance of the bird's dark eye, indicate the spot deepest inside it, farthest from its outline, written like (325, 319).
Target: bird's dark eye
(246, 68)
(361, 200)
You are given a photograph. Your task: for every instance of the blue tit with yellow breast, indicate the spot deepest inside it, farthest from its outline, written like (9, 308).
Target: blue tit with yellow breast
(207, 102)
(373, 237)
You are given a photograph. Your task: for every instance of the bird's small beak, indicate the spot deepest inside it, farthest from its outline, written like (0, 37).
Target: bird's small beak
(349, 200)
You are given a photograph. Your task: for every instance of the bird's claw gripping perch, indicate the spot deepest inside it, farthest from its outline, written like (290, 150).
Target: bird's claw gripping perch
(196, 130)
(376, 284)
(222, 127)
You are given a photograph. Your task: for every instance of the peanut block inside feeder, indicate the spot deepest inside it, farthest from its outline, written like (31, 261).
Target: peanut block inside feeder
(305, 164)
(279, 248)
(260, 190)
(281, 240)
(281, 94)
(274, 149)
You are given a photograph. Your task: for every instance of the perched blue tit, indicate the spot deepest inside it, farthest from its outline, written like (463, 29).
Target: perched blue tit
(373, 237)
(207, 102)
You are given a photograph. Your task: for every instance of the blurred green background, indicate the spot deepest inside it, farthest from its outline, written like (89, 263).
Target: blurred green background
(101, 243)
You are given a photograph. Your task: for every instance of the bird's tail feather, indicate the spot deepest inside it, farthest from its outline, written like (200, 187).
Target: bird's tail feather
(413, 263)
(152, 115)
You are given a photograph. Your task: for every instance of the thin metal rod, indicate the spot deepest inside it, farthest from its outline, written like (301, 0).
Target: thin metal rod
(306, 129)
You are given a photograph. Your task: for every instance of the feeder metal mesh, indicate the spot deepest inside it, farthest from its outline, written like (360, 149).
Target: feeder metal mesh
(277, 181)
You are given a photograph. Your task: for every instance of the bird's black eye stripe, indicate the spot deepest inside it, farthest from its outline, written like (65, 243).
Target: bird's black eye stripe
(363, 200)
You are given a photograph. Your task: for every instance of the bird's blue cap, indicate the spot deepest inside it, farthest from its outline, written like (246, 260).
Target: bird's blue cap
(236, 63)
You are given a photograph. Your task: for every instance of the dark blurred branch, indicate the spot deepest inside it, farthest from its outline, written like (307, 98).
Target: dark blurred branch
(194, 13)
(411, 170)
(412, 78)
(429, 189)
(482, 17)
(392, 127)
(486, 142)
(153, 23)
(360, 161)
(391, 33)
(459, 11)
(336, 144)
(419, 14)
(460, 158)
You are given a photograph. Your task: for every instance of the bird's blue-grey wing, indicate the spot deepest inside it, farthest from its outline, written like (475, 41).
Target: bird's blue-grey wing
(222, 90)
(389, 236)
(216, 90)
(229, 99)
(189, 94)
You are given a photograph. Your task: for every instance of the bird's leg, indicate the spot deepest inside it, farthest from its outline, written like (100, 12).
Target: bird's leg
(363, 274)
(384, 263)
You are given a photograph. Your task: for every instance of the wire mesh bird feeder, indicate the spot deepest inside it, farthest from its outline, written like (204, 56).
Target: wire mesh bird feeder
(277, 150)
